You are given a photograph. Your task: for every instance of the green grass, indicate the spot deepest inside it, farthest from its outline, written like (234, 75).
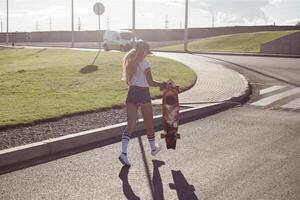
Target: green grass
(243, 42)
(47, 83)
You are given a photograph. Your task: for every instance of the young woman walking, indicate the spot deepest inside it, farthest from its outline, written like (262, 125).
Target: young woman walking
(137, 74)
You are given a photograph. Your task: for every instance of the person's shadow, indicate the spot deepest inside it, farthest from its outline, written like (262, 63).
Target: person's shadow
(183, 188)
(127, 190)
(158, 191)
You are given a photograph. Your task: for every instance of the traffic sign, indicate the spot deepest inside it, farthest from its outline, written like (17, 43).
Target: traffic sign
(99, 8)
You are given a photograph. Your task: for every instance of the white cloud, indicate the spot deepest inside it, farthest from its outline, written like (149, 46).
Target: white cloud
(148, 15)
(275, 2)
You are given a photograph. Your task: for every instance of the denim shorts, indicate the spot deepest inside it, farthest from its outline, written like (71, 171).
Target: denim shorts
(138, 95)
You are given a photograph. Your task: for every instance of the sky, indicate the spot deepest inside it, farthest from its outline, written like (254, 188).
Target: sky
(42, 15)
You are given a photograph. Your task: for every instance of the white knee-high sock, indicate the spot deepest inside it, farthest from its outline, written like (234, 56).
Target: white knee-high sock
(125, 141)
(151, 139)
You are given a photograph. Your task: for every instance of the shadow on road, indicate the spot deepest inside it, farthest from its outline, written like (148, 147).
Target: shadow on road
(182, 187)
(158, 190)
(127, 190)
(147, 171)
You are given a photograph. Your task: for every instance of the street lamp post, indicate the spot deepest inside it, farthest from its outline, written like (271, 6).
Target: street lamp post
(72, 23)
(7, 22)
(133, 23)
(186, 26)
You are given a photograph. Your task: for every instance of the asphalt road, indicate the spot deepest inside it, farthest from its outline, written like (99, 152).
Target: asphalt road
(287, 69)
(247, 152)
(231, 155)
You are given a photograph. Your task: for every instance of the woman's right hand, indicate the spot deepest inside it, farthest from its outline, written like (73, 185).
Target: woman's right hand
(162, 85)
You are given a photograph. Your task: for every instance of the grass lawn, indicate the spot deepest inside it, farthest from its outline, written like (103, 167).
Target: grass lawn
(243, 42)
(39, 84)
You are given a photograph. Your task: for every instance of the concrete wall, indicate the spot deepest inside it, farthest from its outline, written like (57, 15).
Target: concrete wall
(145, 34)
(289, 44)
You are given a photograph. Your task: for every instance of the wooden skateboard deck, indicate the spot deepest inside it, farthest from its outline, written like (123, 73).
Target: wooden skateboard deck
(170, 111)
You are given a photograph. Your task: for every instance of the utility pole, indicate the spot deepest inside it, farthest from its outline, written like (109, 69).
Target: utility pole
(79, 24)
(107, 23)
(72, 13)
(50, 24)
(186, 25)
(133, 23)
(213, 19)
(7, 38)
(37, 27)
(166, 22)
(1, 26)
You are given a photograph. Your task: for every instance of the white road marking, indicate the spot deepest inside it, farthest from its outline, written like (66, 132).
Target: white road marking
(268, 100)
(293, 104)
(271, 89)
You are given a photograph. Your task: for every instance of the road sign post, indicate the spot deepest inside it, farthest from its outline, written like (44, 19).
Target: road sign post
(99, 10)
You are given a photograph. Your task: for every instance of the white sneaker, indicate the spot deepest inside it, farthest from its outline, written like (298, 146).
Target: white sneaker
(124, 160)
(156, 150)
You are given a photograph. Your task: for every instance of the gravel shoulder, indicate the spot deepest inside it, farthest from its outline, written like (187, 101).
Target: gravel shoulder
(12, 137)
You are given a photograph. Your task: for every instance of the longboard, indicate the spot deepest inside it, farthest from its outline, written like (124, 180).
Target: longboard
(170, 111)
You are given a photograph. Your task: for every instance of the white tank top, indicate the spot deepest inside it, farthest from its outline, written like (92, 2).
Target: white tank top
(139, 78)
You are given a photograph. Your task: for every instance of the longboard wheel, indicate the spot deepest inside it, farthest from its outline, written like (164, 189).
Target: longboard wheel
(177, 135)
(162, 135)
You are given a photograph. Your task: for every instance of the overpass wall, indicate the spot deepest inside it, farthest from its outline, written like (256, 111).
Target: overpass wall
(145, 34)
(289, 44)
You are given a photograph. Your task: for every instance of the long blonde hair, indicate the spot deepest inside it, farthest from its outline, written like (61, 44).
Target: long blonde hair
(132, 60)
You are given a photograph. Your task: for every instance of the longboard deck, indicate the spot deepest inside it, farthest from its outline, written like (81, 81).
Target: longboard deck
(170, 110)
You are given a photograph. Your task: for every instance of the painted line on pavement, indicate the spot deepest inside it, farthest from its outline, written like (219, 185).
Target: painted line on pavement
(293, 104)
(271, 89)
(268, 100)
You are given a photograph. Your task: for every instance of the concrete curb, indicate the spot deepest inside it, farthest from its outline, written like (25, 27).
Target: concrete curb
(233, 54)
(53, 146)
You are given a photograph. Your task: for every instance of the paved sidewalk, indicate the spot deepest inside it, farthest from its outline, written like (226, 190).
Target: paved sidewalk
(215, 83)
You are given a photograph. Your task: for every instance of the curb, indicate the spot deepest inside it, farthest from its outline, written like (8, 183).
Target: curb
(232, 54)
(50, 147)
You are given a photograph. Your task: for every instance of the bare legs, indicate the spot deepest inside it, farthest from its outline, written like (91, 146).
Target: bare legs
(131, 110)
(147, 113)
(131, 122)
